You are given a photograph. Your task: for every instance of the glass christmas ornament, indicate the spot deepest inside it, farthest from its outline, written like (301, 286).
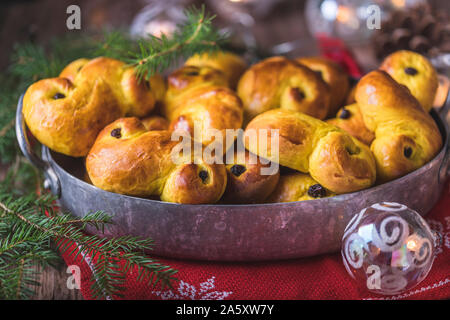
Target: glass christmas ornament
(241, 16)
(388, 247)
(353, 21)
(158, 17)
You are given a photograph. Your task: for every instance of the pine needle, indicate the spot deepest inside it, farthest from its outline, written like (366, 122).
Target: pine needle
(153, 54)
(26, 230)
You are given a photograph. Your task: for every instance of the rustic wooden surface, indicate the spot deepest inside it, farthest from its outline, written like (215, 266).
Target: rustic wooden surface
(54, 285)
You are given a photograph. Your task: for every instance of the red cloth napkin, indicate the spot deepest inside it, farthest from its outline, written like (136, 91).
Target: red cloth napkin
(322, 277)
(335, 49)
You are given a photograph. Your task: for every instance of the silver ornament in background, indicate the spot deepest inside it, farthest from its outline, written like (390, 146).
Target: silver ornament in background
(158, 17)
(241, 17)
(388, 247)
(350, 20)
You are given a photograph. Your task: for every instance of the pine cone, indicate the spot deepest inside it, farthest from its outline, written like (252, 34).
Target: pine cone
(420, 29)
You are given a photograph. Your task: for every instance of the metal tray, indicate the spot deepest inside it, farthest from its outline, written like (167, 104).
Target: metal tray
(234, 232)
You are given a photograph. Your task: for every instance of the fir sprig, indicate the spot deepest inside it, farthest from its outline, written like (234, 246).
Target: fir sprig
(26, 235)
(156, 54)
(31, 62)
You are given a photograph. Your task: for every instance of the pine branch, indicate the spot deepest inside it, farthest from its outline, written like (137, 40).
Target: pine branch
(116, 44)
(31, 62)
(4, 130)
(155, 54)
(28, 228)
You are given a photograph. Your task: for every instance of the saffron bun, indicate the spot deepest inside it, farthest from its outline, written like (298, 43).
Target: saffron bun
(201, 95)
(332, 157)
(336, 78)
(298, 187)
(128, 159)
(278, 82)
(67, 113)
(351, 96)
(349, 118)
(416, 73)
(71, 70)
(230, 64)
(183, 80)
(250, 180)
(152, 123)
(406, 136)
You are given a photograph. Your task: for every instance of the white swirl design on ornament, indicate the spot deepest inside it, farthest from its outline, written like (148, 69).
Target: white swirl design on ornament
(390, 242)
(354, 222)
(347, 267)
(353, 251)
(389, 206)
(391, 283)
(421, 254)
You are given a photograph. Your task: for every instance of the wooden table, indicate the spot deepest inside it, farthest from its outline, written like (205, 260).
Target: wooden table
(54, 285)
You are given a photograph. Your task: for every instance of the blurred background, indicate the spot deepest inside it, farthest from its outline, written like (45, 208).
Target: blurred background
(259, 27)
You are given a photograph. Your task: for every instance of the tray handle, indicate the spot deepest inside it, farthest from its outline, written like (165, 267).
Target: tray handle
(443, 112)
(51, 179)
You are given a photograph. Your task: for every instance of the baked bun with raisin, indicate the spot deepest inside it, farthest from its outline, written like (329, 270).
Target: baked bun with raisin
(128, 159)
(181, 81)
(333, 158)
(298, 187)
(278, 82)
(406, 136)
(350, 119)
(67, 113)
(155, 123)
(333, 74)
(415, 72)
(202, 95)
(231, 65)
(71, 70)
(250, 180)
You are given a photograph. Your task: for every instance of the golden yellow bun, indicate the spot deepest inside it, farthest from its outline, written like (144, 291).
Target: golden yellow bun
(66, 115)
(71, 124)
(229, 63)
(349, 118)
(212, 107)
(86, 178)
(333, 74)
(351, 96)
(128, 159)
(406, 137)
(201, 94)
(247, 183)
(334, 158)
(71, 70)
(415, 72)
(187, 78)
(155, 123)
(281, 83)
(157, 85)
(298, 187)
